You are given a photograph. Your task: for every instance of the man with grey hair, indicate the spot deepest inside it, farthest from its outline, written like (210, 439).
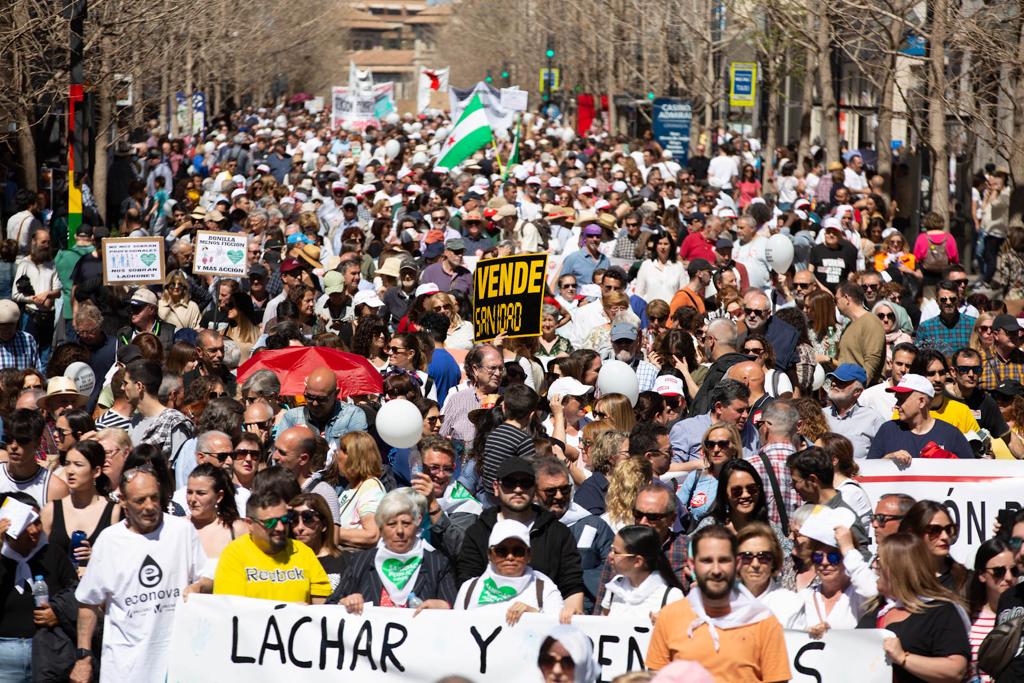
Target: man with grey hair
(730, 403)
(778, 432)
(213, 447)
(721, 343)
(172, 391)
(781, 336)
(845, 414)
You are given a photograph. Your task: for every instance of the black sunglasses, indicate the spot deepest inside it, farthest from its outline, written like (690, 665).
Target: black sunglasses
(516, 550)
(999, 572)
(651, 516)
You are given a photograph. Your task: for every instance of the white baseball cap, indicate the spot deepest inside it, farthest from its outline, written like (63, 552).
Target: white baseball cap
(568, 386)
(366, 296)
(821, 525)
(912, 382)
(669, 385)
(427, 288)
(505, 529)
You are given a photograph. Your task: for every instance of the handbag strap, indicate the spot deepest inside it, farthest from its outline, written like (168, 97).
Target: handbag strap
(776, 491)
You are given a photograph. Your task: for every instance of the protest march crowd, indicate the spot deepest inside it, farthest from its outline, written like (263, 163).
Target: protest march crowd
(678, 444)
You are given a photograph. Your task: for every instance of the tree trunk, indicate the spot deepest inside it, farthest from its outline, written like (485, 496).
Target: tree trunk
(807, 100)
(937, 109)
(829, 106)
(103, 130)
(1017, 143)
(27, 151)
(883, 133)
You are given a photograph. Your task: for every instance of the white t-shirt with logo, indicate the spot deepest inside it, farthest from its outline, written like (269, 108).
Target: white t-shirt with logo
(138, 579)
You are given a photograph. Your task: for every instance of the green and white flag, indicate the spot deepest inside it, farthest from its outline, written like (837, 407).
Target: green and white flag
(470, 133)
(514, 157)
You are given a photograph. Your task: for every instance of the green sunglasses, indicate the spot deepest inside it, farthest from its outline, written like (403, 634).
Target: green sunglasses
(287, 519)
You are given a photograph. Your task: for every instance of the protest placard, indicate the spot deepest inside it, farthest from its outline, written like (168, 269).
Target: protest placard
(230, 639)
(133, 260)
(508, 294)
(220, 253)
(974, 491)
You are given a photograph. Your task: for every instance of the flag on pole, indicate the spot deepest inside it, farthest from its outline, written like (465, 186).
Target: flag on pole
(470, 133)
(513, 157)
(431, 80)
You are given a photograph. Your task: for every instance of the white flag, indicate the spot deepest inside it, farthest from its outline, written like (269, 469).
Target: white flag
(430, 80)
(360, 82)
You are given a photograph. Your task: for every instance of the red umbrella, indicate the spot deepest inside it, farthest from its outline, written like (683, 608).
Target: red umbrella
(299, 98)
(356, 375)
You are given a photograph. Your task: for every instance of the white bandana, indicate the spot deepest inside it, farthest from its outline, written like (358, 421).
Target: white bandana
(493, 588)
(621, 588)
(23, 573)
(457, 498)
(398, 571)
(744, 610)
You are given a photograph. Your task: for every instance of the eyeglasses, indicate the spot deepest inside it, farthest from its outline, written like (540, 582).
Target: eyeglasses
(563, 491)
(221, 457)
(749, 489)
(493, 370)
(764, 557)
(968, 369)
(599, 415)
(999, 572)
(935, 530)
(833, 557)
(756, 312)
(243, 453)
(308, 517)
(1015, 543)
(260, 426)
(394, 350)
(436, 469)
(516, 550)
(882, 520)
(886, 316)
(270, 523)
(721, 444)
(313, 398)
(513, 483)
(651, 516)
(753, 351)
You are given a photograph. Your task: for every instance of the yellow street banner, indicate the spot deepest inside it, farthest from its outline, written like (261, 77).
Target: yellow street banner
(742, 84)
(508, 294)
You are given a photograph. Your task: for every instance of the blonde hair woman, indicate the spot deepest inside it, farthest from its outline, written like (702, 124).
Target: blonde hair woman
(176, 306)
(460, 332)
(982, 336)
(617, 409)
(624, 484)
(358, 460)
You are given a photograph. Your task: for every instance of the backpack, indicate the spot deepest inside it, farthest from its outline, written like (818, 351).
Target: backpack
(936, 258)
(1000, 647)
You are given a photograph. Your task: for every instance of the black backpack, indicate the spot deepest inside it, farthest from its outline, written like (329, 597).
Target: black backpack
(1000, 647)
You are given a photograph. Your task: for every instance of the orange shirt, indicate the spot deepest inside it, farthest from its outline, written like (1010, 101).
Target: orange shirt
(749, 654)
(685, 297)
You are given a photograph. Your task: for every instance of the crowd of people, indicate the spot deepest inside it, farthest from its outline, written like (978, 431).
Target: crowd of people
(720, 502)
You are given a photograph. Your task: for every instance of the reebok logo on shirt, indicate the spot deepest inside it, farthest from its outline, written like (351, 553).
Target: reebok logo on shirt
(254, 575)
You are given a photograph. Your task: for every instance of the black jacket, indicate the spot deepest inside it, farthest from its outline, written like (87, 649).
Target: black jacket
(163, 331)
(434, 582)
(716, 373)
(552, 546)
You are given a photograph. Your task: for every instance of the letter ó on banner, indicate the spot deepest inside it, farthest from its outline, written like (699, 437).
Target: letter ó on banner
(388, 648)
(806, 670)
(235, 657)
(326, 643)
(291, 644)
(483, 643)
(277, 644)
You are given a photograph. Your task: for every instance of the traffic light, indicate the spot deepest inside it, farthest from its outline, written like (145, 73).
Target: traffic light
(550, 54)
(504, 74)
(489, 78)
(650, 95)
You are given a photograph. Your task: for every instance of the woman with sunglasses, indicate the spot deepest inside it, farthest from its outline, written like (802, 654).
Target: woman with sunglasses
(460, 332)
(845, 581)
(759, 563)
(721, 443)
(69, 428)
(509, 584)
(644, 581)
(406, 356)
(401, 565)
(995, 572)
(370, 340)
(210, 498)
(176, 306)
(617, 409)
(248, 459)
(776, 383)
(897, 325)
(982, 335)
(314, 526)
(894, 253)
(929, 620)
(930, 521)
(567, 656)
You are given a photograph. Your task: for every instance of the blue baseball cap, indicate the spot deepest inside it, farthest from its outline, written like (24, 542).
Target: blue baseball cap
(848, 372)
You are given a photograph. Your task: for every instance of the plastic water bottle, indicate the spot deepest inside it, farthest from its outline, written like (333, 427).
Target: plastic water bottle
(413, 602)
(40, 592)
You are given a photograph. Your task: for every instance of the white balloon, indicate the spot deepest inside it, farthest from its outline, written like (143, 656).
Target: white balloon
(420, 158)
(779, 253)
(819, 377)
(392, 118)
(568, 134)
(82, 375)
(399, 423)
(617, 377)
(391, 149)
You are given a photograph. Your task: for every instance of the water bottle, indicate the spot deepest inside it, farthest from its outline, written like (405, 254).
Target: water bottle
(76, 542)
(413, 602)
(40, 592)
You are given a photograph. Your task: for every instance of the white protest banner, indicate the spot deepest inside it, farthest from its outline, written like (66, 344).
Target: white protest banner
(133, 260)
(514, 99)
(973, 490)
(232, 639)
(220, 253)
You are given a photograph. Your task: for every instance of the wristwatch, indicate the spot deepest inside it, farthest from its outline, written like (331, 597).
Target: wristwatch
(82, 653)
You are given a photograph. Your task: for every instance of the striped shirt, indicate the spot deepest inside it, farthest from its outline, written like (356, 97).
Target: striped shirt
(503, 443)
(113, 420)
(979, 629)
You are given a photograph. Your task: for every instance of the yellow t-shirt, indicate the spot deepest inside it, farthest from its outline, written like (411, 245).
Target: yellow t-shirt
(954, 413)
(292, 575)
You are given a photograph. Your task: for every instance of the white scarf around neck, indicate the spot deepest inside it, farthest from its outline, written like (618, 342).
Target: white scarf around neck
(493, 588)
(23, 573)
(625, 592)
(744, 610)
(399, 571)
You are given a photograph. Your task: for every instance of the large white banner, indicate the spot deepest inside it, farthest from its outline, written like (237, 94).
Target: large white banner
(974, 490)
(240, 639)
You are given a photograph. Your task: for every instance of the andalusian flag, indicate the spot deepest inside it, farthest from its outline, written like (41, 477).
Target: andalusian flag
(514, 157)
(470, 133)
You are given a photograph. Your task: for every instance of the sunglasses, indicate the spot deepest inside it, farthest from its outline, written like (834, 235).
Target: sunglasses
(882, 520)
(392, 350)
(764, 557)
(721, 444)
(517, 550)
(262, 426)
(651, 516)
(216, 394)
(270, 523)
(568, 286)
(1015, 543)
(599, 415)
(432, 420)
(548, 661)
(968, 369)
(512, 484)
(947, 299)
(755, 312)
(312, 398)
(886, 316)
(833, 556)
(870, 288)
(564, 491)
(243, 453)
(985, 329)
(307, 516)
(935, 530)
(221, 457)
(803, 285)
(753, 351)
(657, 318)
(749, 489)
(999, 572)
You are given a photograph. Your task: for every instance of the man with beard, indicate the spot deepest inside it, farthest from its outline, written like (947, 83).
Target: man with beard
(553, 549)
(951, 329)
(592, 534)
(149, 558)
(625, 348)
(266, 563)
(210, 350)
(845, 414)
(36, 288)
(720, 625)
(323, 412)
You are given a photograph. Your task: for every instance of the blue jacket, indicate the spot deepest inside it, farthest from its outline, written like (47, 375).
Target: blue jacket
(344, 418)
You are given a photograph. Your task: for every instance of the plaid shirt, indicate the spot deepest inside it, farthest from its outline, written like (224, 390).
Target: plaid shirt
(936, 334)
(677, 550)
(776, 454)
(20, 353)
(995, 370)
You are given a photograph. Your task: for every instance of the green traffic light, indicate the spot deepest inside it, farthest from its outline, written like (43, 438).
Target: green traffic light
(489, 79)
(504, 74)
(650, 95)
(550, 53)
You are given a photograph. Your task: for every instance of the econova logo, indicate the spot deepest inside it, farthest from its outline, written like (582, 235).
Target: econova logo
(150, 573)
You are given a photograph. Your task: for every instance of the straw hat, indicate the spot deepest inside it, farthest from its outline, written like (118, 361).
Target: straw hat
(61, 387)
